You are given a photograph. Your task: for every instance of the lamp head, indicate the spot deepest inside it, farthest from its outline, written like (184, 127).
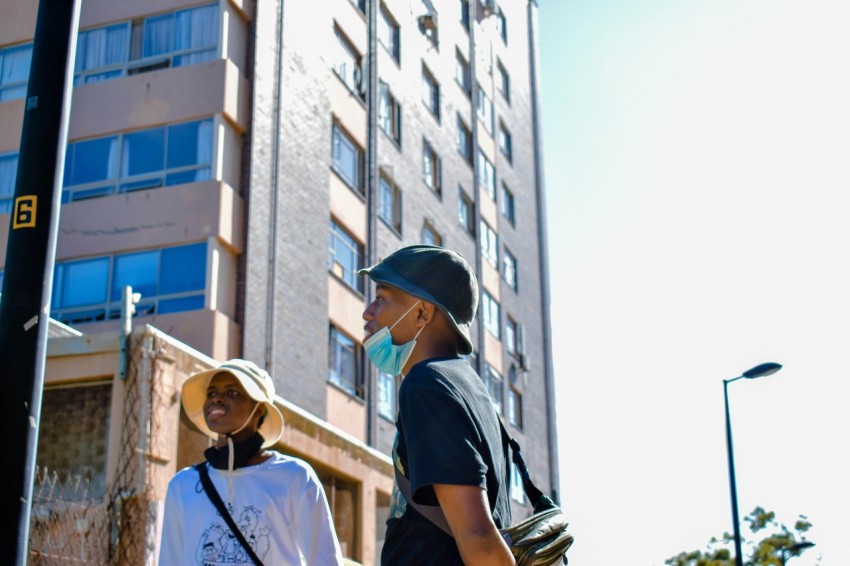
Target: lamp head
(802, 545)
(762, 370)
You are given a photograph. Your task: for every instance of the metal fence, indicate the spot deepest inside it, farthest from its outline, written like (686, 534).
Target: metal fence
(76, 522)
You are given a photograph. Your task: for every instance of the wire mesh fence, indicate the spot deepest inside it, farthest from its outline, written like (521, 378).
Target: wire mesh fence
(77, 517)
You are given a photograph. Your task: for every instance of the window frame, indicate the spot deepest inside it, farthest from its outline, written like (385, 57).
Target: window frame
(110, 307)
(432, 169)
(494, 383)
(338, 234)
(385, 18)
(346, 47)
(503, 82)
(486, 114)
(463, 73)
(389, 113)
(510, 269)
(387, 402)
(429, 228)
(467, 224)
(338, 135)
(352, 387)
(486, 174)
(506, 142)
(489, 244)
(507, 204)
(18, 88)
(430, 92)
(491, 308)
(464, 140)
(395, 220)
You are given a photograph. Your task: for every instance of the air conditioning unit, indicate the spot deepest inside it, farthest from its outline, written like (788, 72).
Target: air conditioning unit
(428, 22)
(488, 7)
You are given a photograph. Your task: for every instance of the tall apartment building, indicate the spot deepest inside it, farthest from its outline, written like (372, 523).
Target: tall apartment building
(236, 162)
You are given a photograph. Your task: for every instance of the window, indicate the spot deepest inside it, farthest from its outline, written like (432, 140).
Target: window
(431, 167)
(512, 336)
(502, 25)
(388, 33)
(389, 203)
(466, 212)
(346, 65)
(430, 92)
(514, 408)
(508, 205)
(485, 110)
(389, 113)
(360, 4)
(493, 382)
(344, 257)
(430, 236)
(464, 14)
(347, 159)
(503, 82)
(14, 71)
(8, 175)
(168, 40)
(342, 363)
(144, 159)
(73, 437)
(464, 140)
(505, 142)
(517, 490)
(486, 175)
(509, 271)
(170, 280)
(489, 244)
(463, 74)
(386, 395)
(490, 312)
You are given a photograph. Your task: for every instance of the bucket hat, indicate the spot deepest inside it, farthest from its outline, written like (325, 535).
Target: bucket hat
(436, 275)
(257, 384)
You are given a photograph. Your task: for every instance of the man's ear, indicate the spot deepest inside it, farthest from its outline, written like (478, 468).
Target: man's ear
(425, 313)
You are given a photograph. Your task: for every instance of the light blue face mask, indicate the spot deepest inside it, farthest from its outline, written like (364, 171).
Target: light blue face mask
(388, 357)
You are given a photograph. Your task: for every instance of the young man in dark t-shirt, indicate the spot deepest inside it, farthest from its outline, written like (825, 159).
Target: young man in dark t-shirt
(448, 442)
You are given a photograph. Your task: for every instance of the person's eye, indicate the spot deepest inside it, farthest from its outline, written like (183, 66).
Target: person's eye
(210, 394)
(233, 394)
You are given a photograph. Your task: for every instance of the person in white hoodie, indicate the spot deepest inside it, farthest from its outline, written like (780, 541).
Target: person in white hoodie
(276, 501)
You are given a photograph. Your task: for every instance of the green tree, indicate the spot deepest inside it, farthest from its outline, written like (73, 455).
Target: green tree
(768, 537)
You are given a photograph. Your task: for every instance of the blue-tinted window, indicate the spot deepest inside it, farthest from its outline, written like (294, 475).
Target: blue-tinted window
(143, 152)
(93, 160)
(84, 282)
(14, 71)
(347, 158)
(8, 175)
(139, 271)
(345, 254)
(143, 158)
(102, 49)
(190, 144)
(159, 35)
(181, 304)
(183, 269)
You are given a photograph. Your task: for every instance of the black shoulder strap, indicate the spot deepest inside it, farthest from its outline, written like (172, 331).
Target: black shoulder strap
(433, 512)
(215, 498)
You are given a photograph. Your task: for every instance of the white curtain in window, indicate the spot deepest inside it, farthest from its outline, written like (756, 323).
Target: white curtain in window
(205, 142)
(196, 29)
(103, 47)
(158, 35)
(14, 69)
(8, 173)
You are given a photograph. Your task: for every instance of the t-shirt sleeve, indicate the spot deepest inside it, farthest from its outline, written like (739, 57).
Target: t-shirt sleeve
(441, 440)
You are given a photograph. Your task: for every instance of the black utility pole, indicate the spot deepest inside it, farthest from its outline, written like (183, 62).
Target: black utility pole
(25, 302)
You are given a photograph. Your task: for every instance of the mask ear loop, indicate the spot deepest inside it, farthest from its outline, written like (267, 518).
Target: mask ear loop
(405, 314)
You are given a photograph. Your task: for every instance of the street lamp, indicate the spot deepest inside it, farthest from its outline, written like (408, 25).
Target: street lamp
(803, 545)
(761, 370)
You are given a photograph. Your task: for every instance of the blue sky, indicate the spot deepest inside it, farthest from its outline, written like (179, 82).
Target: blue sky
(697, 174)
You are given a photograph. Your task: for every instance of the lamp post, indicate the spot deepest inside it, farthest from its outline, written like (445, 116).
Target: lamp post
(797, 547)
(761, 370)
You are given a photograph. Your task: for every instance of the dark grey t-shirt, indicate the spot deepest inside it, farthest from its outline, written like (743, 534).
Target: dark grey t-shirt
(447, 433)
